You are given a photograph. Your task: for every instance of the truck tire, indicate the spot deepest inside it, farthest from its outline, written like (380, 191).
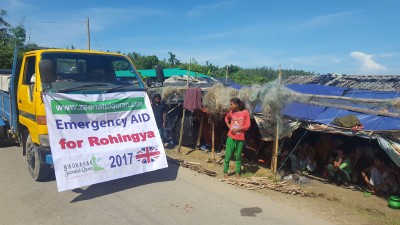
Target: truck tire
(36, 167)
(3, 136)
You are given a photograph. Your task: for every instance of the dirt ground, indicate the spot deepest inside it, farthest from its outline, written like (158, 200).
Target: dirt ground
(338, 204)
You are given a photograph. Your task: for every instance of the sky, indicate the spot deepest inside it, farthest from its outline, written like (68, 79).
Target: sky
(330, 36)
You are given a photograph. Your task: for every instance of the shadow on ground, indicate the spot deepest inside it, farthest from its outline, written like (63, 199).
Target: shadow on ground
(251, 212)
(110, 187)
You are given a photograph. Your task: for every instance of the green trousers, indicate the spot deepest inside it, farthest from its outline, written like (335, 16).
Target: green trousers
(233, 146)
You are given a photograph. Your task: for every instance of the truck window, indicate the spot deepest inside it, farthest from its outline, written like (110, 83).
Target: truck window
(74, 68)
(28, 77)
(123, 70)
(71, 66)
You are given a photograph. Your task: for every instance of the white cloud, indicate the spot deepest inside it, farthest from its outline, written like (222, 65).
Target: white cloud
(200, 9)
(368, 65)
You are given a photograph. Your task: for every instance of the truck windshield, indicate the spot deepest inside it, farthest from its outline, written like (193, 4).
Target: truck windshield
(79, 69)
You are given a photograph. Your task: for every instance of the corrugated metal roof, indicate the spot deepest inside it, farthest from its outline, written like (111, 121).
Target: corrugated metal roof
(367, 82)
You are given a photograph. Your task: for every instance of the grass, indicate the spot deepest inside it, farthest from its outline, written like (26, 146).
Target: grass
(247, 174)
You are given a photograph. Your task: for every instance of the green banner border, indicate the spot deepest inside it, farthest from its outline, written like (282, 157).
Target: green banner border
(95, 107)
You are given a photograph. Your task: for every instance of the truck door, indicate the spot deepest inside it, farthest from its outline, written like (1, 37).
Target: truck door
(25, 94)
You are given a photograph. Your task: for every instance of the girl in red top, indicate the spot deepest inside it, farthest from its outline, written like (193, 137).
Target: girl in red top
(238, 122)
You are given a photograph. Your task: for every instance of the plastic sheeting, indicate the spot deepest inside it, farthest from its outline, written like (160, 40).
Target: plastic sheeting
(321, 117)
(268, 129)
(391, 148)
(326, 115)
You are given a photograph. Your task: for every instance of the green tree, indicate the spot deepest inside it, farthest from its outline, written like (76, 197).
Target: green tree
(4, 25)
(172, 60)
(239, 75)
(143, 62)
(6, 56)
(149, 62)
(18, 34)
(9, 38)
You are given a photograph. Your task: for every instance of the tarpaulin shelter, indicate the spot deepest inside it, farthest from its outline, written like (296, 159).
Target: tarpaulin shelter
(377, 125)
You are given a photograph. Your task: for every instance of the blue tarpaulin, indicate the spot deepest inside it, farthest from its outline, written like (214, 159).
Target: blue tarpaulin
(326, 115)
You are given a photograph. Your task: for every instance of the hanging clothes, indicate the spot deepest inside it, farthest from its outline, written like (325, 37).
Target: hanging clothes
(192, 99)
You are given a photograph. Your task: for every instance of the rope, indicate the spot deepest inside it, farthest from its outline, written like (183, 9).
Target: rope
(292, 151)
(174, 108)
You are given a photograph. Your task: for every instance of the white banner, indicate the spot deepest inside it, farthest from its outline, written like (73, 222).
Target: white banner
(101, 137)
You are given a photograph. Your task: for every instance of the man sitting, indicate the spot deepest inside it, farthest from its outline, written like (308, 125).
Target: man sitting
(340, 169)
(303, 159)
(381, 179)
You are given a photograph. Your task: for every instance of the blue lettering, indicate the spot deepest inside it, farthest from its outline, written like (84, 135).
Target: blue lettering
(59, 125)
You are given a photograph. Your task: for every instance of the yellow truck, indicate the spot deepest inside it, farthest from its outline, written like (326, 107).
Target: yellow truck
(23, 116)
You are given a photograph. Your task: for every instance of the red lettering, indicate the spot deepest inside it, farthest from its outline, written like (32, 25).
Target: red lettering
(143, 136)
(62, 143)
(94, 141)
(70, 144)
(135, 138)
(150, 134)
(104, 141)
(113, 139)
(127, 138)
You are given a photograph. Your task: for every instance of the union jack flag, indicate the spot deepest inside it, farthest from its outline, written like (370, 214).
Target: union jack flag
(147, 155)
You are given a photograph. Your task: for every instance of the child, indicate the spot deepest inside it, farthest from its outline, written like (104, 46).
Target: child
(341, 167)
(382, 179)
(238, 121)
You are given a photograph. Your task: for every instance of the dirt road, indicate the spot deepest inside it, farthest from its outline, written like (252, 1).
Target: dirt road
(170, 196)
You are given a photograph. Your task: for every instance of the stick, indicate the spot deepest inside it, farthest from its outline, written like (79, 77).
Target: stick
(181, 132)
(200, 130)
(387, 101)
(276, 142)
(355, 109)
(213, 139)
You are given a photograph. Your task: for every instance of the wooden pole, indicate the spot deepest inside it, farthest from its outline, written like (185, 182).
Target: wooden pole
(355, 109)
(213, 139)
(88, 32)
(200, 131)
(363, 100)
(276, 142)
(181, 131)
(226, 74)
(183, 114)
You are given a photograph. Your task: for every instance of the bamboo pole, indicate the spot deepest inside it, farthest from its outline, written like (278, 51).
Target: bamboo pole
(366, 100)
(200, 131)
(183, 114)
(213, 140)
(350, 108)
(274, 161)
(181, 131)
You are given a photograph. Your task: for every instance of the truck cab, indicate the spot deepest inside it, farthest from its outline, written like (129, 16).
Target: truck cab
(59, 71)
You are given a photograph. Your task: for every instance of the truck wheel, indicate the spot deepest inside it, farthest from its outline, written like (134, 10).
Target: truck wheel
(37, 168)
(3, 136)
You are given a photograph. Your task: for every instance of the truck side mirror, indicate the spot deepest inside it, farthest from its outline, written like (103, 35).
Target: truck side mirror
(47, 71)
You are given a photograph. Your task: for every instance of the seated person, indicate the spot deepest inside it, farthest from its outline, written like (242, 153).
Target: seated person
(362, 157)
(381, 179)
(323, 148)
(303, 159)
(341, 168)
